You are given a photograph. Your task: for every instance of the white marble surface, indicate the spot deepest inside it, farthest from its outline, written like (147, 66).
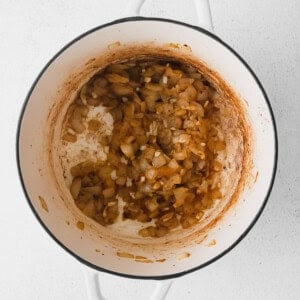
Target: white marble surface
(265, 265)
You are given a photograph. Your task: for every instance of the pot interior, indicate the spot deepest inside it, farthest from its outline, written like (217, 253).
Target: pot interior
(116, 249)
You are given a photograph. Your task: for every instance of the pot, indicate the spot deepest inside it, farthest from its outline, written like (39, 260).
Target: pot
(79, 236)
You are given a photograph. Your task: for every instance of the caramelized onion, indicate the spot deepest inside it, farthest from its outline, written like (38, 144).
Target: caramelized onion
(163, 154)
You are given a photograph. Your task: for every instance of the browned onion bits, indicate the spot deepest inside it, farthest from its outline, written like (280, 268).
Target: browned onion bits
(162, 154)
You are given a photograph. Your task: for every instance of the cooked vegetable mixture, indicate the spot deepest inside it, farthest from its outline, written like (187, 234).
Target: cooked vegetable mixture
(161, 164)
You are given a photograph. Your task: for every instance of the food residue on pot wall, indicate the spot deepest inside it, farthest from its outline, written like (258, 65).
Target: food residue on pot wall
(138, 258)
(125, 255)
(183, 256)
(256, 176)
(43, 203)
(147, 261)
(114, 45)
(80, 225)
(212, 243)
(200, 240)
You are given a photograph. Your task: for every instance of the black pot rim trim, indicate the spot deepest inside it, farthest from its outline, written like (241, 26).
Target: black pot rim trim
(255, 218)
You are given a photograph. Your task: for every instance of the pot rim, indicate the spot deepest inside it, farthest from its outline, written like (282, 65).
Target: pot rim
(255, 218)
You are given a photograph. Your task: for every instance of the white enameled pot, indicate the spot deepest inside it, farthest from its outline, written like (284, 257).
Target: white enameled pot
(37, 179)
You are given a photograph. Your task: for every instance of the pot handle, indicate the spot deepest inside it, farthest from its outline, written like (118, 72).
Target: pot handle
(162, 289)
(204, 18)
(94, 289)
(92, 285)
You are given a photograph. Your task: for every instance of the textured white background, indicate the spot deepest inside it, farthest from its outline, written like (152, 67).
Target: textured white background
(266, 264)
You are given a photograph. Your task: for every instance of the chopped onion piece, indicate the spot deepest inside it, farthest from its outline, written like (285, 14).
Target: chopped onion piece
(127, 149)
